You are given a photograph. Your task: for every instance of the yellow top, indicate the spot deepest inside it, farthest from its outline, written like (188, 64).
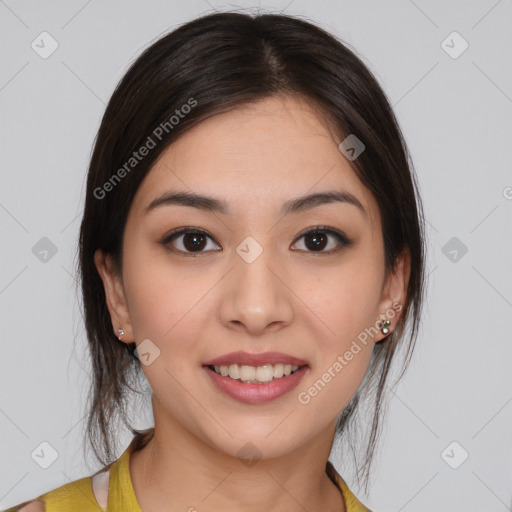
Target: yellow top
(78, 496)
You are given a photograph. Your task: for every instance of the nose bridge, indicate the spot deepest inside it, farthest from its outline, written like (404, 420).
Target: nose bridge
(252, 262)
(256, 296)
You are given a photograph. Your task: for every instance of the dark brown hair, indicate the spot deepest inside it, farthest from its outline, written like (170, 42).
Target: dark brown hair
(213, 64)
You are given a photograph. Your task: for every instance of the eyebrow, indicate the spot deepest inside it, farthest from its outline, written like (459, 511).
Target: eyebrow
(215, 205)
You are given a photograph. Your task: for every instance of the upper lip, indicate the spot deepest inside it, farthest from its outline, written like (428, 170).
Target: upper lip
(245, 358)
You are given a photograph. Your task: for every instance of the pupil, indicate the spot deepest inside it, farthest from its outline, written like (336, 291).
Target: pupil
(193, 241)
(317, 238)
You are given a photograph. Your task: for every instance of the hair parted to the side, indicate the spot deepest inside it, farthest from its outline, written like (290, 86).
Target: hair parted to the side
(217, 63)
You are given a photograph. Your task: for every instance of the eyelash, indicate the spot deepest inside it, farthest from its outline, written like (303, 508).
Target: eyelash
(342, 239)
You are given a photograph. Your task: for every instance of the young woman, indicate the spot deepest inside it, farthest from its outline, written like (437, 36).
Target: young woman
(252, 242)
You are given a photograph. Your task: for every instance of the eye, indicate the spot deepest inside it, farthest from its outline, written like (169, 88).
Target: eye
(317, 239)
(188, 240)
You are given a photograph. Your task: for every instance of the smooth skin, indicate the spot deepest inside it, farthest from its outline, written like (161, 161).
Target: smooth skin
(297, 298)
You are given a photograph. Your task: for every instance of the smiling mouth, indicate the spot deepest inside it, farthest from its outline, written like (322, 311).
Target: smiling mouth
(256, 374)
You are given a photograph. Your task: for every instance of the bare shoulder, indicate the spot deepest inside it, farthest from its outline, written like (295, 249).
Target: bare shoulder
(29, 506)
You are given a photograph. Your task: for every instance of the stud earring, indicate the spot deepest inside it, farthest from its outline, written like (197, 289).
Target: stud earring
(384, 326)
(120, 332)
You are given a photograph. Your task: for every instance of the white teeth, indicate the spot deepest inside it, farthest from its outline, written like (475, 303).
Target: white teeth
(224, 371)
(247, 373)
(265, 373)
(278, 371)
(233, 371)
(256, 374)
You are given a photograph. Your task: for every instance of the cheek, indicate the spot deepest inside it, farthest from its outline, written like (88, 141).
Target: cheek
(165, 301)
(345, 299)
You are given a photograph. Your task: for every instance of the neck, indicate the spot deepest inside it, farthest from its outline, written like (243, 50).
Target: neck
(190, 475)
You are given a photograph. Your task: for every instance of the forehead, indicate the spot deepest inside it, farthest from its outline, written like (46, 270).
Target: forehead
(256, 156)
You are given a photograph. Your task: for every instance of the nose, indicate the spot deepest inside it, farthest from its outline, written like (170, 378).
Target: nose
(257, 296)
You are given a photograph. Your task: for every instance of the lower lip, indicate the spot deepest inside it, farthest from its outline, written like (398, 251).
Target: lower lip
(256, 393)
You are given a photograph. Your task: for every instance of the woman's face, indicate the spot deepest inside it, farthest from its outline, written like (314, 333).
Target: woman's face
(254, 293)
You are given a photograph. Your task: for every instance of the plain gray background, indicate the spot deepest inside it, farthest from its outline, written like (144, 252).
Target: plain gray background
(455, 110)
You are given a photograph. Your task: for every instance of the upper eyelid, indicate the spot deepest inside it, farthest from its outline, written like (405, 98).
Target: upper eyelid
(192, 229)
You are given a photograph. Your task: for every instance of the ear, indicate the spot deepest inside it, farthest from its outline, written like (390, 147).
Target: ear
(115, 296)
(394, 292)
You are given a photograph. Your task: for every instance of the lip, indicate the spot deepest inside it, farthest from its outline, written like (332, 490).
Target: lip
(256, 393)
(245, 358)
